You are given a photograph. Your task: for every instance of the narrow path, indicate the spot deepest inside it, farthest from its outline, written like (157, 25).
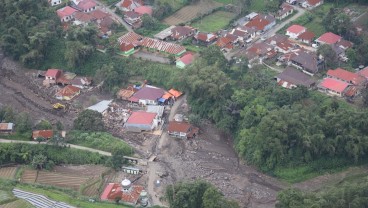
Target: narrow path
(105, 8)
(70, 145)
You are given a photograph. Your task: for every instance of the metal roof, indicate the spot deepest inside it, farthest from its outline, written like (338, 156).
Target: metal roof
(101, 106)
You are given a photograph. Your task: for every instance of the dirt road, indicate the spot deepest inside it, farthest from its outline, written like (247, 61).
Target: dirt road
(69, 145)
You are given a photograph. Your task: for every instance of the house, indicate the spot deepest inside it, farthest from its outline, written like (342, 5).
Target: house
(133, 19)
(346, 76)
(53, 74)
(295, 30)
(251, 16)
(307, 37)
(144, 10)
(105, 26)
(129, 5)
(243, 34)
(44, 134)
(205, 38)
(328, 38)
(306, 61)
(182, 130)
(162, 46)
(175, 93)
(6, 128)
(67, 93)
(128, 193)
(164, 34)
(364, 73)
(128, 43)
(125, 94)
(333, 87)
(81, 82)
(225, 43)
(284, 47)
(285, 10)
(81, 18)
(140, 121)
(86, 6)
(277, 38)
(99, 15)
(54, 2)
(261, 23)
(148, 95)
(66, 13)
(291, 78)
(182, 32)
(310, 4)
(344, 44)
(101, 107)
(259, 52)
(185, 60)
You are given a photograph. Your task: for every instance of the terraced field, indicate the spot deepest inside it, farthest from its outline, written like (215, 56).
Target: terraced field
(93, 189)
(190, 12)
(4, 195)
(8, 172)
(29, 176)
(20, 203)
(61, 180)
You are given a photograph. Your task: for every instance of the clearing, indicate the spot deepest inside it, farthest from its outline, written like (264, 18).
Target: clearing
(8, 172)
(190, 12)
(214, 22)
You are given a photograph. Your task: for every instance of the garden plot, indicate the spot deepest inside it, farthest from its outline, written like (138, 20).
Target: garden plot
(190, 12)
(214, 22)
(8, 172)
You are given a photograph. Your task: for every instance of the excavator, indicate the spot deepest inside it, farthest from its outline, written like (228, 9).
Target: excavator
(58, 106)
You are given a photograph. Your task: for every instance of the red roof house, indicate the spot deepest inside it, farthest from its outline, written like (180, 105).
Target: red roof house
(311, 3)
(346, 76)
(205, 38)
(261, 22)
(182, 130)
(333, 86)
(329, 38)
(129, 5)
(185, 60)
(140, 121)
(307, 37)
(45, 134)
(129, 193)
(87, 5)
(53, 74)
(66, 13)
(144, 10)
(364, 73)
(295, 30)
(182, 32)
(175, 93)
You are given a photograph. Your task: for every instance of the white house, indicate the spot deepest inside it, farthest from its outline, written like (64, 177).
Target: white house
(147, 95)
(140, 121)
(54, 2)
(295, 30)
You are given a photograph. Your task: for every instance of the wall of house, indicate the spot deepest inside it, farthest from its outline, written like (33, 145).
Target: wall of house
(180, 65)
(138, 127)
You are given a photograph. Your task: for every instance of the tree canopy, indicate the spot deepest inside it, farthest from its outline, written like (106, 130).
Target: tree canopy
(89, 120)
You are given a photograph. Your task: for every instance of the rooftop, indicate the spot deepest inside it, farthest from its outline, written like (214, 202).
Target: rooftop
(141, 117)
(187, 58)
(307, 35)
(6, 126)
(334, 85)
(101, 106)
(65, 11)
(149, 93)
(46, 134)
(260, 22)
(295, 77)
(53, 73)
(144, 10)
(86, 4)
(346, 76)
(175, 126)
(296, 29)
(329, 38)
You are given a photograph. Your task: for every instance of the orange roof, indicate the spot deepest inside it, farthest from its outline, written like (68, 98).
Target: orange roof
(113, 190)
(68, 91)
(167, 95)
(175, 93)
(345, 75)
(46, 134)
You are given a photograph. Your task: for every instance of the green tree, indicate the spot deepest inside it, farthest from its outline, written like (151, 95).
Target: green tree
(329, 56)
(39, 161)
(77, 53)
(43, 125)
(23, 123)
(117, 159)
(89, 120)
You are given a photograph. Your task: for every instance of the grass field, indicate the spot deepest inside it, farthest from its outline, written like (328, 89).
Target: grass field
(20, 203)
(226, 1)
(257, 6)
(175, 4)
(214, 21)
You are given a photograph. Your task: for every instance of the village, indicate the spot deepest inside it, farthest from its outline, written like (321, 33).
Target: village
(155, 121)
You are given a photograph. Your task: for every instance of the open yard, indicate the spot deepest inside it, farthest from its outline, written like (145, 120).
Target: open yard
(20, 203)
(190, 12)
(214, 22)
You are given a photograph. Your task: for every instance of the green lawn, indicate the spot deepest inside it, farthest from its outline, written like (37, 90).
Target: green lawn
(226, 1)
(175, 4)
(214, 22)
(257, 6)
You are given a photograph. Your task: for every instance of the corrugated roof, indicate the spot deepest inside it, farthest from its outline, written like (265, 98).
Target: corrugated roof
(6, 126)
(296, 29)
(65, 11)
(149, 93)
(130, 37)
(334, 85)
(329, 38)
(163, 46)
(175, 126)
(101, 106)
(295, 77)
(46, 134)
(346, 76)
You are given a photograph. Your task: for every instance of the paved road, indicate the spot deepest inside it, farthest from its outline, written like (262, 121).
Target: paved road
(155, 57)
(105, 8)
(71, 146)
